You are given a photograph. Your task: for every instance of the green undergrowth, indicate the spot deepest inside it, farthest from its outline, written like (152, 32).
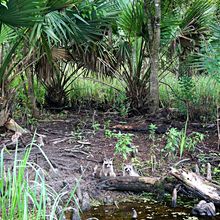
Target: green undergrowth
(203, 98)
(24, 193)
(203, 95)
(101, 91)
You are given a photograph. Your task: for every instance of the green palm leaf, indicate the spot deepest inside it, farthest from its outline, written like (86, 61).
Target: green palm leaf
(7, 61)
(198, 16)
(22, 12)
(4, 3)
(132, 18)
(209, 57)
(54, 5)
(76, 25)
(6, 34)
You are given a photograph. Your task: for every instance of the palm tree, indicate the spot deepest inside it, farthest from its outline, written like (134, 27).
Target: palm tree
(79, 37)
(183, 25)
(18, 18)
(138, 51)
(18, 15)
(45, 28)
(187, 30)
(130, 47)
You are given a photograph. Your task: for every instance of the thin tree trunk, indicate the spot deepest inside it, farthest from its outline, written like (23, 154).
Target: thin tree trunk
(4, 104)
(30, 78)
(31, 95)
(154, 33)
(1, 54)
(4, 111)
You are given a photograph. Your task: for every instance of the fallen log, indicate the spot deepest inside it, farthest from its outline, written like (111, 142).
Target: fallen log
(198, 185)
(129, 183)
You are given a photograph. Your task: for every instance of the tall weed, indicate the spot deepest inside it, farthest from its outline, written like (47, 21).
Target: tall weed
(24, 194)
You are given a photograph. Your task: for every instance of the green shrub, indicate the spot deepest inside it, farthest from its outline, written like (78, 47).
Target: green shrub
(174, 141)
(123, 145)
(203, 96)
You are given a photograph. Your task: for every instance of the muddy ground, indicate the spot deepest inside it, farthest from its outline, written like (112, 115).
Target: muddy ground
(75, 142)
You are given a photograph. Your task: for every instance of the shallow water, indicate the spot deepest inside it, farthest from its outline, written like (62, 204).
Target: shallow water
(146, 210)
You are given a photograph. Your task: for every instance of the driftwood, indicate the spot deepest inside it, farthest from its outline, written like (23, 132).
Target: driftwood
(13, 126)
(129, 183)
(198, 185)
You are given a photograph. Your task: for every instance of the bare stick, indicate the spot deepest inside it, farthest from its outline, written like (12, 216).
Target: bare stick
(209, 172)
(197, 169)
(174, 197)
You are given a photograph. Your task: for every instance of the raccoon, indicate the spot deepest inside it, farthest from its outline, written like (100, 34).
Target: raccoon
(106, 170)
(129, 171)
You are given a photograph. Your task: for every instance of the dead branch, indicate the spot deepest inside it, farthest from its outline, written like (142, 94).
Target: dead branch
(198, 185)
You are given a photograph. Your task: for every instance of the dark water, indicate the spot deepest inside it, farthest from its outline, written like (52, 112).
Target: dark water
(145, 211)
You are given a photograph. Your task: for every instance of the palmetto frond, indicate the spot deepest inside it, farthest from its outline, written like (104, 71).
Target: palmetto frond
(76, 25)
(209, 57)
(195, 22)
(132, 18)
(97, 57)
(53, 5)
(198, 17)
(22, 13)
(6, 34)
(54, 27)
(95, 52)
(99, 9)
(182, 33)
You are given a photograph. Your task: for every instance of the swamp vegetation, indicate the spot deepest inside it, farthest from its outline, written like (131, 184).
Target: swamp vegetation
(137, 81)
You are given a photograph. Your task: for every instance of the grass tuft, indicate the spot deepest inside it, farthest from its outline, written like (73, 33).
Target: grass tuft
(24, 194)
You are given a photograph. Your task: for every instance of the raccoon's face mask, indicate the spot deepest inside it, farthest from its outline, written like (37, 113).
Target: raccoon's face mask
(128, 169)
(107, 163)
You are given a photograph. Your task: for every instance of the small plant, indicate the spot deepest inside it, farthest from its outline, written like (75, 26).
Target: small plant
(152, 129)
(178, 140)
(121, 104)
(123, 145)
(96, 127)
(216, 172)
(78, 134)
(31, 121)
(187, 88)
(63, 114)
(107, 124)
(173, 140)
(193, 140)
(109, 133)
(137, 162)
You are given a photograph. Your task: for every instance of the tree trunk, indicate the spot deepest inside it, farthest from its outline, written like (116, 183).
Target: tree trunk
(154, 34)
(32, 98)
(30, 79)
(1, 54)
(4, 111)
